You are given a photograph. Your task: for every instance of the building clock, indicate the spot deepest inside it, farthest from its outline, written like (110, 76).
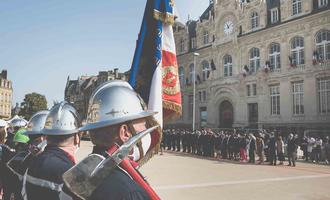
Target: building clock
(228, 27)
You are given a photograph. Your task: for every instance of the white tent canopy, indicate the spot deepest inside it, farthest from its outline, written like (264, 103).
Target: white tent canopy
(18, 121)
(15, 117)
(3, 123)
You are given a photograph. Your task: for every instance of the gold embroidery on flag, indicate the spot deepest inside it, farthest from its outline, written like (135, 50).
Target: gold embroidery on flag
(171, 84)
(167, 18)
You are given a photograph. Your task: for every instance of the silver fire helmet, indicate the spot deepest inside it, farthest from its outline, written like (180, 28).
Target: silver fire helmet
(62, 119)
(113, 103)
(37, 123)
(19, 122)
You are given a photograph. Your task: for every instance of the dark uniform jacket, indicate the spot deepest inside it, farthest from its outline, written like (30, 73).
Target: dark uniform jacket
(6, 176)
(48, 166)
(119, 186)
(17, 167)
(292, 146)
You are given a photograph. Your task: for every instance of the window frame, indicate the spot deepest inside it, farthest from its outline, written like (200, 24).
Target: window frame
(191, 73)
(323, 94)
(275, 100)
(296, 7)
(272, 16)
(322, 3)
(193, 43)
(323, 45)
(298, 51)
(182, 45)
(205, 69)
(298, 107)
(182, 76)
(206, 38)
(254, 89)
(254, 20)
(227, 66)
(254, 60)
(274, 56)
(248, 90)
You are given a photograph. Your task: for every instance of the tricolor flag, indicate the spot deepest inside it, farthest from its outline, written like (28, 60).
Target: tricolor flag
(154, 71)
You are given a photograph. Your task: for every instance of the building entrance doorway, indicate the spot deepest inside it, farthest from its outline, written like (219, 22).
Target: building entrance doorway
(226, 112)
(253, 115)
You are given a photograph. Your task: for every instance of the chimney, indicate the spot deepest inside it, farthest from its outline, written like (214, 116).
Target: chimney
(4, 74)
(116, 73)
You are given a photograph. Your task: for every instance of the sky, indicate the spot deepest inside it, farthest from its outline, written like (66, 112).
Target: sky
(44, 42)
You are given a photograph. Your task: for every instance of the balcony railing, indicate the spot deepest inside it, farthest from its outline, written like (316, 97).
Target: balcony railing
(300, 67)
(324, 64)
(277, 70)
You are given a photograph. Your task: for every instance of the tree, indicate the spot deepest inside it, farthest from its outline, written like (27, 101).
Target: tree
(32, 103)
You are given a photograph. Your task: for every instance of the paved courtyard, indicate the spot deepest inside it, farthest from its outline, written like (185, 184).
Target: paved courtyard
(181, 176)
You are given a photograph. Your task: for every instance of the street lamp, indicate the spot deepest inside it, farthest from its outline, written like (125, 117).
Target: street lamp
(194, 88)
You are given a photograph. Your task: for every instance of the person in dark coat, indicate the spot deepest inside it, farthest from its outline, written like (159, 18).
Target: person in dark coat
(6, 153)
(304, 144)
(43, 179)
(178, 140)
(292, 150)
(272, 150)
(252, 148)
(224, 151)
(16, 165)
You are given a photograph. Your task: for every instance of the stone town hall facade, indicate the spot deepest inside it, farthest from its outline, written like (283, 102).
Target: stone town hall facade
(262, 64)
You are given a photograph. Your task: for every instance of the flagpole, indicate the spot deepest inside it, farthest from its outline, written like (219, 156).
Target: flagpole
(194, 88)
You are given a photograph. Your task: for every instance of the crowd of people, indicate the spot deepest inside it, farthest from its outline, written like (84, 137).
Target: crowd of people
(245, 146)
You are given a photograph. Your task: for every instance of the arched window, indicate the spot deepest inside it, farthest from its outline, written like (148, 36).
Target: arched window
(254, 60)
(182, 45)
(296, 7)
(191, 73)
(274, 56)
(323, 3)
(181, 76)
(297, 51)
(323, 44)
(254, 20)
(227, 66)
(206, 37)
(205, 69)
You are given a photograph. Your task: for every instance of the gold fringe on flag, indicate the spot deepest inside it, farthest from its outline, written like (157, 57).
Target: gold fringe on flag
(172, 106)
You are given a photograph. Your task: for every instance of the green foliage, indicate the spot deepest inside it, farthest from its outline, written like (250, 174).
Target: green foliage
(32, 103)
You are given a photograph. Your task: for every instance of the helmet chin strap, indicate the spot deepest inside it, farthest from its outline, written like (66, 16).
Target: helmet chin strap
(139, 144)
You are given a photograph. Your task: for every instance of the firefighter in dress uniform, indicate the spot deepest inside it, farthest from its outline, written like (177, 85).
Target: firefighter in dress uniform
(116, 113)
(43, 179)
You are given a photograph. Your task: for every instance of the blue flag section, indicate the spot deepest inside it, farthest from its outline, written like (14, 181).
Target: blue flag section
(148, 52)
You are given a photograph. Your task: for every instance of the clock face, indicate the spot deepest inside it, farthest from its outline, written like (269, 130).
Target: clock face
(228, 27)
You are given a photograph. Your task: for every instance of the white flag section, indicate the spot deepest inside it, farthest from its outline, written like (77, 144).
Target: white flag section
(168, 39)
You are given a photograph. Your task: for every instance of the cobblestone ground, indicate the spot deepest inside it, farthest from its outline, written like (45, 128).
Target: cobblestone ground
(180, 176)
